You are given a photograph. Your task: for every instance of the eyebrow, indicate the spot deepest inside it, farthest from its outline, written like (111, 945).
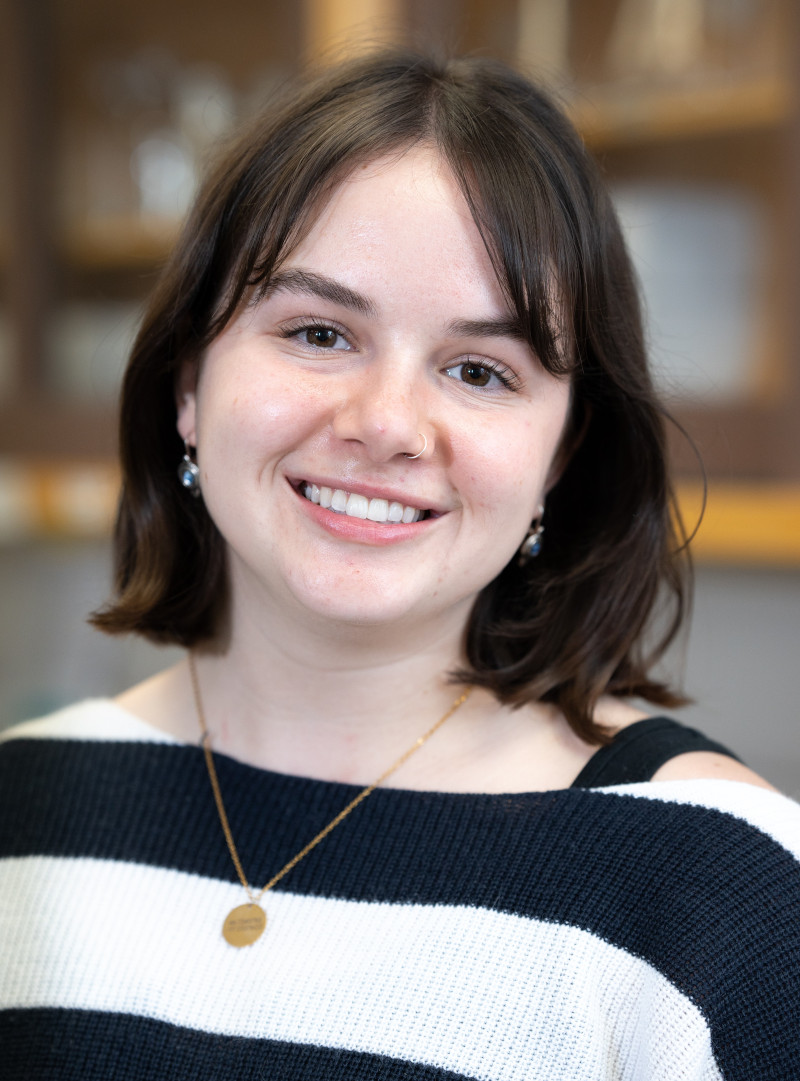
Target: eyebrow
(504, 327)
(318, 285)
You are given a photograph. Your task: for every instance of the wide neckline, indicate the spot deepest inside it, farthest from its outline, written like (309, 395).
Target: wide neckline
(135, 728)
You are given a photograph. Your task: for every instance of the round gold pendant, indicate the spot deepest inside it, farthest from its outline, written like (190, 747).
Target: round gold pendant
(244, 925)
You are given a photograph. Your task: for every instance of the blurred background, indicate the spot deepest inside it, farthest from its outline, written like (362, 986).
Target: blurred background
(107, 114)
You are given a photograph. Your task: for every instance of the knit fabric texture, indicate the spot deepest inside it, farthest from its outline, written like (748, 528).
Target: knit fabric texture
(637, 932)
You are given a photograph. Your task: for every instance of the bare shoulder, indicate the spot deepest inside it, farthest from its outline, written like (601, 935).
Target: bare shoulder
(692, 766)
(163, 702)
(707, 765)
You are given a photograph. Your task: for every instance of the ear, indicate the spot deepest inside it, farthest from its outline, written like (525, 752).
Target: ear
(186, 401)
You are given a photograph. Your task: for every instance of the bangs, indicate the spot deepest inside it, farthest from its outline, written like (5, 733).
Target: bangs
(517, 173)
(536, 272)
(291, 165)
(514, 160)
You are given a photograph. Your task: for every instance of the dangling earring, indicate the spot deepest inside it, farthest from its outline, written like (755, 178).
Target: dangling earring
(188, 472)
(532, 545)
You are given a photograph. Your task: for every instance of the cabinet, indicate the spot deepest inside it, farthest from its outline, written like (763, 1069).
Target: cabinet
(112, 112)
(690, 106)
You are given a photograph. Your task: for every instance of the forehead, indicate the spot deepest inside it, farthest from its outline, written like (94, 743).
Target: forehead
(400, 221)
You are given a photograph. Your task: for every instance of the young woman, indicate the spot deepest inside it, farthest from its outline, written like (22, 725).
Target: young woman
(393, 816)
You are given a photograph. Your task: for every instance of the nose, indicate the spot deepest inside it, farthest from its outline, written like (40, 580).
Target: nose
(384, 412)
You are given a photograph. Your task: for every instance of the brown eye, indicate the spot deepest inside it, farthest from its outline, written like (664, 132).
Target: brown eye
(321, 337)
(490, 376)
(475, 374)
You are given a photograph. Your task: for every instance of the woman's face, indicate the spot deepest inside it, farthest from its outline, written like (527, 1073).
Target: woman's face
(385, 329)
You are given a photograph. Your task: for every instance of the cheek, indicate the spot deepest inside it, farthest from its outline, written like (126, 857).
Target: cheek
(505, 466)
(256, 414)
(505, 469)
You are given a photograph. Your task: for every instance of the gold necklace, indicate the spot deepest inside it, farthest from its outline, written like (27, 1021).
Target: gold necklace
(246, 923)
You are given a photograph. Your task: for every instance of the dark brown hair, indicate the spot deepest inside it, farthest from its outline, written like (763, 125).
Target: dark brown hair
(571, 624)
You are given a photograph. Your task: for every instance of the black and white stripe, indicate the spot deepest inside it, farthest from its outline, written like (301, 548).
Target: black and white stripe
(642, 932)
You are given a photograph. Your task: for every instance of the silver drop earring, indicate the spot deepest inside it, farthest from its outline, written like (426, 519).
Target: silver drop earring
(532, 544)
(189, 473)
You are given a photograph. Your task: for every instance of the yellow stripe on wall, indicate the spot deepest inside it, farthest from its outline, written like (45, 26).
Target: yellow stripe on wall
(744, 523)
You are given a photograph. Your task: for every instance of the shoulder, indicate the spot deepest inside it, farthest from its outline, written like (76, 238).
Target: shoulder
(735, 839)
(708, 765)
(76, 773)
(92, 719)
(705, 763)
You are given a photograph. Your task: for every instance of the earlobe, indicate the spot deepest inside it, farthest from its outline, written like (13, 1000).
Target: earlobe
(185, 402)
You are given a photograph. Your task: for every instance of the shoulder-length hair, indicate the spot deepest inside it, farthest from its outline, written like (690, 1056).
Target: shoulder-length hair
(565, 627)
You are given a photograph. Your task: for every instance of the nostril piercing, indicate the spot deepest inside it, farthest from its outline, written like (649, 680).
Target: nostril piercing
(424, 448)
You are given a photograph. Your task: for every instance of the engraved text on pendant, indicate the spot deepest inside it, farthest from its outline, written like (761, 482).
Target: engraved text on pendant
(244, 925)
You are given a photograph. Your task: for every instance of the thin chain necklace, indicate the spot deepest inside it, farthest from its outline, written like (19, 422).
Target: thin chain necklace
(246, 923)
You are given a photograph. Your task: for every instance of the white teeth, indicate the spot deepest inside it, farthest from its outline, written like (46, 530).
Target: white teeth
(359, 506)
(378, 510)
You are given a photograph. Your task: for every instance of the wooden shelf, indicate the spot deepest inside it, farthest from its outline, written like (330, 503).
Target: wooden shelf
(35, 428)
(118, 244)
(608, 119)
(39, 499)
(635, 115)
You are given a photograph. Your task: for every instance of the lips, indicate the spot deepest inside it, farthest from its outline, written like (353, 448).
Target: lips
(356, 505)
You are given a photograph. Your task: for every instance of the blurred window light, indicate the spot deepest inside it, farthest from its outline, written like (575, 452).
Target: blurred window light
(699, 253)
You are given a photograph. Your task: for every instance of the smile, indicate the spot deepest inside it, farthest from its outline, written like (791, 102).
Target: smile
(354, 505)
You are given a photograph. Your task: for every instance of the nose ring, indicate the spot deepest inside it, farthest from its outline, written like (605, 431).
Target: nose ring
(424, 448)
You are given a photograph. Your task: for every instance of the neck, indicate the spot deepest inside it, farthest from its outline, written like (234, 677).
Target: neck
(335, 703)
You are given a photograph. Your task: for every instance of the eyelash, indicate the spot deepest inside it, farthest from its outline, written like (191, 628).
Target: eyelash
(292, 331)
(509, 380)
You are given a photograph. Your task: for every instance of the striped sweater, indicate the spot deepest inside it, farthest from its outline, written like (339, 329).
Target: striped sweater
(640, 932)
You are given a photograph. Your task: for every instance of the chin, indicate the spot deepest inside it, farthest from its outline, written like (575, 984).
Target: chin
(361, 604)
